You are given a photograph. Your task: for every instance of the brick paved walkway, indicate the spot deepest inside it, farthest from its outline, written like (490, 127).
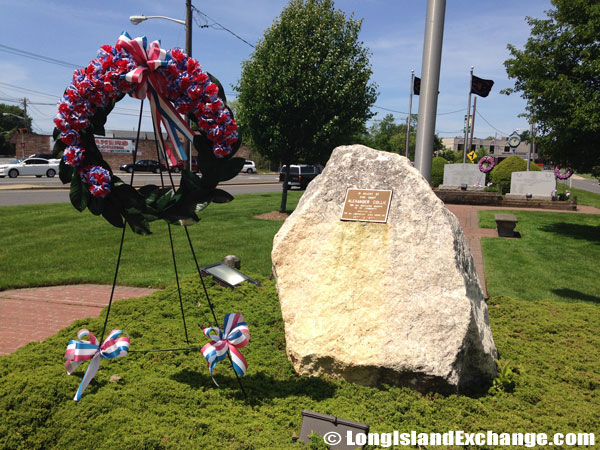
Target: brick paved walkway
(37, 313)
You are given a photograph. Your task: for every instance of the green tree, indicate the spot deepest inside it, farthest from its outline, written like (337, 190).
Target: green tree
(437, 170)
(10, 123)
(389, 136)
(305, 89)
(558, 74)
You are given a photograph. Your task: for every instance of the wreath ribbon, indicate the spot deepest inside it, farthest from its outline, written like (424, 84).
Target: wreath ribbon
(79, 350)
(235, 335)
(150, 85)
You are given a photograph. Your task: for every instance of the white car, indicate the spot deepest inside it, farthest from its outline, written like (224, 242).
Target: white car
(249, 167)
(30, 166)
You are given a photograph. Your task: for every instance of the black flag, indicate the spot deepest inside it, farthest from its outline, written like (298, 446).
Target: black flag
(481, 87)
(417, 86)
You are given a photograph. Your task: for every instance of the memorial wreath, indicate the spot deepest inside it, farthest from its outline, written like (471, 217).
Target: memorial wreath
(174, 84)
(486, 164)
(558, 172)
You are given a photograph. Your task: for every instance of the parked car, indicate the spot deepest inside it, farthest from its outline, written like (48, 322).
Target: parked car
(300, 175)
(249, 167)
(143, 165)
(42, 155)
(180, 165)
(30, 166)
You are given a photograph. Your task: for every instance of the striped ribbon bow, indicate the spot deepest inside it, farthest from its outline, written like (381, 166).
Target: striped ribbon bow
(151, 85)
(234, 336)
(116, 345)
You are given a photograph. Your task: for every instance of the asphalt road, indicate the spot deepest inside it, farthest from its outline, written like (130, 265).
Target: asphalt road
(583, 183)
(140, 179)
(38, 196)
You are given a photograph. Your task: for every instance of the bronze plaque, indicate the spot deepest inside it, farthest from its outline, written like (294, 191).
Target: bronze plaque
(367, 205)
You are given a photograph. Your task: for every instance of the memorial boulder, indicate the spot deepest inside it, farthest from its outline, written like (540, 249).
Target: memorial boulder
(387, 295)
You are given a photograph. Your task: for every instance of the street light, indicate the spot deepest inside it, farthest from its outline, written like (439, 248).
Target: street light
(138, 19)
(22, 134)
(188, 50)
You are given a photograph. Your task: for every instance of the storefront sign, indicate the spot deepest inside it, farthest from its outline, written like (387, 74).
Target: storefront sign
(106, 145)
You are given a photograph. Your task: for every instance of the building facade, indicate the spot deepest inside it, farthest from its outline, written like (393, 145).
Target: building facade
(498, 147)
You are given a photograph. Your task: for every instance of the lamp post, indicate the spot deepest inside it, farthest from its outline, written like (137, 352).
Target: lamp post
(188, 50)
(21, 132)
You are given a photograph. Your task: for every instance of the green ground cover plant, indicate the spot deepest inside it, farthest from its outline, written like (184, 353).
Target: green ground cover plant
(168, 400)
(44, 245)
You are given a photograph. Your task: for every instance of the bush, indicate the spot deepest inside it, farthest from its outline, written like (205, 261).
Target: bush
(500, 175)
(437, 170)
(450, 156)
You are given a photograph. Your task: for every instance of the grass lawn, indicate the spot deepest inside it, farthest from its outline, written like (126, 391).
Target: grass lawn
(583, 197)
(55, 244)
(168, 400)
(556, 257)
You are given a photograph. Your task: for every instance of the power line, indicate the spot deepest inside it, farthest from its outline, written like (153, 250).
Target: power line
(484, 119)
(29, 90)
(218, 26)
(26, 54)
(452, 112)
(391, 110)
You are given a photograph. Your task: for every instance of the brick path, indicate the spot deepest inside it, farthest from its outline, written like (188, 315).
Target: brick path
(34, 314)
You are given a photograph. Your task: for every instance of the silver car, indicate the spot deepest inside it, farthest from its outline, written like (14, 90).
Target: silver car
(30, 166)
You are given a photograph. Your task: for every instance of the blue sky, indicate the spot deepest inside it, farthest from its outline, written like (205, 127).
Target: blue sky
(476, 33)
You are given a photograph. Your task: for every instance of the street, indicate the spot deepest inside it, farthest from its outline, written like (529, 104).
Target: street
(29, 190)
(583, 183)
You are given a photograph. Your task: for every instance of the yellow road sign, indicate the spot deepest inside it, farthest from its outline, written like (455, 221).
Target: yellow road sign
(472, 156)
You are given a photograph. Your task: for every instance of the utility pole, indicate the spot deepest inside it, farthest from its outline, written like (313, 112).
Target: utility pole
(26, 126)
(430, 81)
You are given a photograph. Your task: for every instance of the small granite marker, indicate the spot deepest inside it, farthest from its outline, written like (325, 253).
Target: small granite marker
(375, 302)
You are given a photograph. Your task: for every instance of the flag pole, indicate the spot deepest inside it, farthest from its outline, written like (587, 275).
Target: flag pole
(430, 81)
(472, 133)
(408, 119)
(468, 118)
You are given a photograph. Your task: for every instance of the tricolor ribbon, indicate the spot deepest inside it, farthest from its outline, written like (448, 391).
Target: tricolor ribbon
(149, 84)
(79, 350)
(235, 335)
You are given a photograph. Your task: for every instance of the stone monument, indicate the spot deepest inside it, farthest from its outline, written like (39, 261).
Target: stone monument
(539, 184)
(387, 295)
(455, 175)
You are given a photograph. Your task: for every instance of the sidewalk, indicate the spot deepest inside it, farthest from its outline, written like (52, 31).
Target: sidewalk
(37, 313)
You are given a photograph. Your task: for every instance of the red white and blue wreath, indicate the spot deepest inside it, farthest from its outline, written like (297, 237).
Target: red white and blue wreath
(486, 164)
(174, 84)
(563, 174)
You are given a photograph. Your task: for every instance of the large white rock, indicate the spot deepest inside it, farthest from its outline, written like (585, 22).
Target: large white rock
(396, 302)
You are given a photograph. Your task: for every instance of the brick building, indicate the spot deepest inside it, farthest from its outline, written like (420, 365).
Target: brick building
(117, 146)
